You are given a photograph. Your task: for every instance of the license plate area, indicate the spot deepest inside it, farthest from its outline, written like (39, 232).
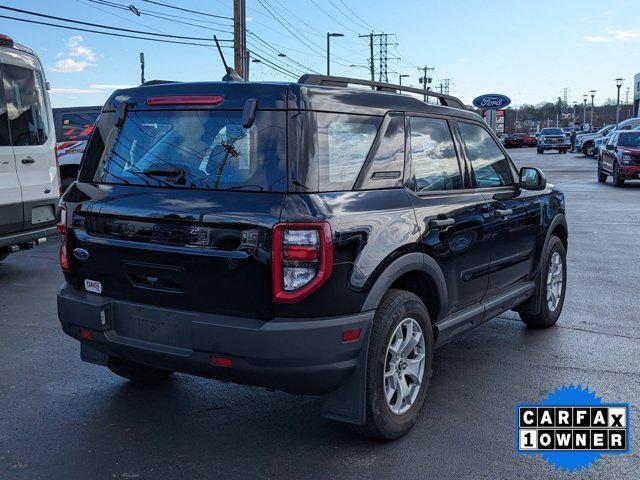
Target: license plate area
(151, 324)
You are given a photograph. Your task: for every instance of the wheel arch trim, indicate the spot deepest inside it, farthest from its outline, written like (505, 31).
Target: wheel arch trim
(414, 261)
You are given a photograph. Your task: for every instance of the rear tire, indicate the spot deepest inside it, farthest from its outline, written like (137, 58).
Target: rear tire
(137, 372)
(551, 292)
(589, 149)
(385, 357)
(540, 151)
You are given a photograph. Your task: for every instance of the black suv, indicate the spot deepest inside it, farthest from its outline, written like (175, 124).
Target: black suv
(309, 237)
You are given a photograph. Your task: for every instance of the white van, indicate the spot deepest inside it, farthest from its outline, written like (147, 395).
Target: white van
(29, 187)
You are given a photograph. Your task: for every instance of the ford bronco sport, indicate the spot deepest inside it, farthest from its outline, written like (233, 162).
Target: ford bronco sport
(309, 237)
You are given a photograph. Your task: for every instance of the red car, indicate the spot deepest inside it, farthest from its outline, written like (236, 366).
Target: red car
(529, 141)
(620, 158)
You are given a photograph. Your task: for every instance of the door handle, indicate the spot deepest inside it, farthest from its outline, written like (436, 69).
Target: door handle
(502, 213)
(28, 160)
(441, 222)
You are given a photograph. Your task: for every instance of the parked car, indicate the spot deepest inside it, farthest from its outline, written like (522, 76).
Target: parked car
(529, 140)
(73, 128)
(218, 230)
(515, 140)
(503, 137)
(621, 158)
(586, 143)
(551, 138)
(29, 189)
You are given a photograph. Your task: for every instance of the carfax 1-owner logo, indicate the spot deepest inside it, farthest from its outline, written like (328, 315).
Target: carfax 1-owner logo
(572, 427)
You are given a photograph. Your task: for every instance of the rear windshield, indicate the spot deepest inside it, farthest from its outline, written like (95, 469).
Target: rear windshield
(200, 149)
(629, 139)
(75, 127)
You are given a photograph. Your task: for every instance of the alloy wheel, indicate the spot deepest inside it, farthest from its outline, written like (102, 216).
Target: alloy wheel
(404, 366)
(555, 281)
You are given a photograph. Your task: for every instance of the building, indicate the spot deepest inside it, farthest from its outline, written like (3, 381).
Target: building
(636, 95)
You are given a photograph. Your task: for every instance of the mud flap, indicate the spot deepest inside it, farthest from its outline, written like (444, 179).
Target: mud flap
(91, 355)
(534, 304)
(347, 403)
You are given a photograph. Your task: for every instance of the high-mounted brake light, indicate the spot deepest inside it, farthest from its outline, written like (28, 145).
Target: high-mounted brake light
(301, 259)
(185, 100)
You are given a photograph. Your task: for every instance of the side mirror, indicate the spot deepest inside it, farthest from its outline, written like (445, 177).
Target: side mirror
(249, 112)
(532, 179)
(610, 146)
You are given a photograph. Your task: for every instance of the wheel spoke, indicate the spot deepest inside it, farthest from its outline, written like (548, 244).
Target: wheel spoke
(413, 368)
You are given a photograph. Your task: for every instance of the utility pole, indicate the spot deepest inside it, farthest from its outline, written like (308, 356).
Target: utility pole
(141, 68)
(584, 109)
(448, 82)
(425, 79)
(239, 36)
(383, 58)
(574, 113)
(593, 94)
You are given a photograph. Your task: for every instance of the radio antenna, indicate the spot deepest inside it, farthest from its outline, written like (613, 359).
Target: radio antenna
(231, 75)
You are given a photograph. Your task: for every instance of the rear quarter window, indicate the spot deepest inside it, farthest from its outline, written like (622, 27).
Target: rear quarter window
(327, 150)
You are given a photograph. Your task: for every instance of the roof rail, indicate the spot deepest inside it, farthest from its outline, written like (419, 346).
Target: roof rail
(331, 81)
(157, 82)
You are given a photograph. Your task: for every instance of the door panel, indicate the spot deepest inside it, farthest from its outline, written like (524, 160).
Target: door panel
(453, 221)
(515, 223)
(30, 123)
(10, 196)
(463, 249)
(514, 215)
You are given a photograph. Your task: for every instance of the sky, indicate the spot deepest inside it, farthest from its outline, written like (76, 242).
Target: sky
(529, 51)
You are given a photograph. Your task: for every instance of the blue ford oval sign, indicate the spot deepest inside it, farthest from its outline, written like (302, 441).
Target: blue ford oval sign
(491, 101)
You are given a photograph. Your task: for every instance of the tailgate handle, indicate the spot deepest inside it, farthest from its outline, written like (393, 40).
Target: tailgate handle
(28, 160)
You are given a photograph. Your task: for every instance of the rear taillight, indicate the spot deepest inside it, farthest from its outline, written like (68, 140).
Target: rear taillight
(62, 230)
(185, 100)
(302, 258)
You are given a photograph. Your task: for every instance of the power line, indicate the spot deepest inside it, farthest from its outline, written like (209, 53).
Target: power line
(267, 44)
(79, 29)
(160, 15)
(333, 18)
(167, 5)
(104, 26)
(366, 25)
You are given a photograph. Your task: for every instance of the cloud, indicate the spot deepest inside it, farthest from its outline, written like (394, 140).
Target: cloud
(615, 35)
(597, 38)
(464, 59)
(76, 58)
(106, 86)
(74, 90)
(69, 65)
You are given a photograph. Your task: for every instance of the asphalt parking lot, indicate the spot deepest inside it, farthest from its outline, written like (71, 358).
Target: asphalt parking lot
(61, 418)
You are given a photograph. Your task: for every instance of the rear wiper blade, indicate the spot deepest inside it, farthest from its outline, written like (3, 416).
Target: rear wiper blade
(174, 175)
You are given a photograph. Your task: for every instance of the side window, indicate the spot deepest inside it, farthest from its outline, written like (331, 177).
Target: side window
(490, 166)
(28, 119)
(327, 150)
(385, 170)
(4, 121)
(433, 156)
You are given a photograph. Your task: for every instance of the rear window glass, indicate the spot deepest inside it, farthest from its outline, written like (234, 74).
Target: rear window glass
(76, 127)
(329, 149)
(200, 149)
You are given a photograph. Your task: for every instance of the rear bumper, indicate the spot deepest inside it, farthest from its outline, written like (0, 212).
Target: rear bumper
(26, 236)
(297, 355)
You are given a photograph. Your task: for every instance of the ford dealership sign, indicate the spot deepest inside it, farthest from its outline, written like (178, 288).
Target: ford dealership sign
(492, 101)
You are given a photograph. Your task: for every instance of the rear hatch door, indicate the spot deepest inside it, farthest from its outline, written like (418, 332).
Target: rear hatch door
(175, 208)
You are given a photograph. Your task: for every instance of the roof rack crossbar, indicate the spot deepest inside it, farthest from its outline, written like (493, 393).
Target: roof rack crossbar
(331, 81)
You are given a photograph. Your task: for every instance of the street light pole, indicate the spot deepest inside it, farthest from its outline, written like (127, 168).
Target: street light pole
(400, 77)
(574, 113)
(584, 109)
(618, 85)
(593, 94)
(329, 35)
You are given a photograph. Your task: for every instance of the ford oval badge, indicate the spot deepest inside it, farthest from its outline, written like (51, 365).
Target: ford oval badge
(80, 253)
(491, 101)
